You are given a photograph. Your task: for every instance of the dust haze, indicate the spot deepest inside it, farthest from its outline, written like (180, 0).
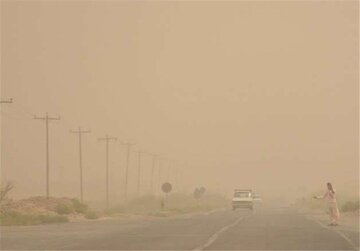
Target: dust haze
(260, 95)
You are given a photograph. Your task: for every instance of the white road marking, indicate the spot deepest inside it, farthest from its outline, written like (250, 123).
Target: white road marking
(349, 241)
(215, 211)
(189, 216)
(216, 235)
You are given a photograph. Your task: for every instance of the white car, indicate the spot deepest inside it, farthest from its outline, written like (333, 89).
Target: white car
(243, 198)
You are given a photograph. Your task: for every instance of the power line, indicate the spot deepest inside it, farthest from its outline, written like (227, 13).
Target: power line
(80, 133)
(47, 119)
(22, 109)
(10, 115)
(107, 139)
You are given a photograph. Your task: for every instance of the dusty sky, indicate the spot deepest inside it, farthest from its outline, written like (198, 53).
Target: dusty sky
(242, 94)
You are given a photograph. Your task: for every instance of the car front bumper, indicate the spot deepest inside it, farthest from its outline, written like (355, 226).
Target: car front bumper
(242, 204)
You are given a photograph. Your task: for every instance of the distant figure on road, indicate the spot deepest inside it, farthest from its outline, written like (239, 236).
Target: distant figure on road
(333, 208)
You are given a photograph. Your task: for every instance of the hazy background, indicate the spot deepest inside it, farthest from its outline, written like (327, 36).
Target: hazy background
(242, 94)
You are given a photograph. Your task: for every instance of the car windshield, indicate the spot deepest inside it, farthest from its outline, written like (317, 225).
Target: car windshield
(242, 194)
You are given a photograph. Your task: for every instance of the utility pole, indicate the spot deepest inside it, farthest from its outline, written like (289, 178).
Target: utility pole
(139, 153)
(47, 119)
(160, 174)
(80, 132)
(153, 171)
(9, 101)
(107, 139)
(176, 182)
(128, 146)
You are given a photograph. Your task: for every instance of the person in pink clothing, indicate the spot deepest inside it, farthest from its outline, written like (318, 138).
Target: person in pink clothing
(333, 208)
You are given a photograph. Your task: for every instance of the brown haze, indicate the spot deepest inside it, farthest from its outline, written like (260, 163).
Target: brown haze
(241, 94)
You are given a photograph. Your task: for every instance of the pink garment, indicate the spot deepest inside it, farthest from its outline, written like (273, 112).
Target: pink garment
(330, 196)
(333, 208)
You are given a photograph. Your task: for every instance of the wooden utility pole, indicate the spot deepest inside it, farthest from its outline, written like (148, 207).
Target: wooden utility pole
(153, 172)
(107, 139)
(47, 119)
(80, 132)
(139, 153)
(160, 174)
(128, 147)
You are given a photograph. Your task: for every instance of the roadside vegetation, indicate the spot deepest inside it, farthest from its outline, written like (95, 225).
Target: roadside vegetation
(12, 218)
(40, 210)
(174, 204)
(350, 206)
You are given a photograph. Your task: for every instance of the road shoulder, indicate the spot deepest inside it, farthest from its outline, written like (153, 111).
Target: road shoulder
(348, 227)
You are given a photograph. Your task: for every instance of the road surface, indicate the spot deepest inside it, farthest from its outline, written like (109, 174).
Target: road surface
(264, 229)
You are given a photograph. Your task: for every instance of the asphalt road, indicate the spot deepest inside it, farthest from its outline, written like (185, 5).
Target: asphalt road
(264, 229)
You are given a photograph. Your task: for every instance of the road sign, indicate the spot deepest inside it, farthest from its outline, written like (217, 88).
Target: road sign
(166, 187)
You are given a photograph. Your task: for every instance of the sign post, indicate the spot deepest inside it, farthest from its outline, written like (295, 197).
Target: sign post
(166, 188)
